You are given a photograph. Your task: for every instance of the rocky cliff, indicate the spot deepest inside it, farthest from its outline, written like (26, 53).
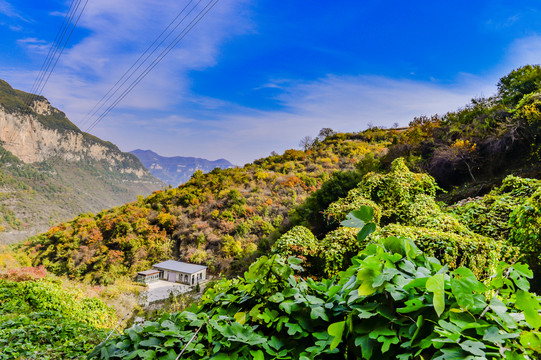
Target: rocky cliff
(51, 171)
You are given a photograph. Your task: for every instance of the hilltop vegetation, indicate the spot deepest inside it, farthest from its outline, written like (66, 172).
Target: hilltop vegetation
(226, 218)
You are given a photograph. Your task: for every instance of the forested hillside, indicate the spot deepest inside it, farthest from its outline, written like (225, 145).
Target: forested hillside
(51, 171)
(222, 218)
(387, 243)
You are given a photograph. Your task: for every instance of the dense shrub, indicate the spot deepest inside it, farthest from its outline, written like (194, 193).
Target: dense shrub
(338, 248)
(394, 302)
(489, 215)
(525, 232)
(43, 320)
(298, 241)
(395, 191)
(338, 210)
(481, 255)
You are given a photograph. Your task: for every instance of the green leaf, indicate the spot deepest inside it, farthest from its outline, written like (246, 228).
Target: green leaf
(288, 306)
(411, 305)
(436, 284)
(366, 344)
(365, 213)
(171, 355)
(493, 335)
(240, 317)
(530, 306)
(367, 275)
(277, 297)
(387, 341)
(366, 231)
(334, 290)
(293, 328)
(318, 312)
(148, 355)
(352, 222)
(151, 342)
(531, 340)
(336, 329)
(474, 347)
(463, 286)
(257, 354)
(403, 246)
(500, 309)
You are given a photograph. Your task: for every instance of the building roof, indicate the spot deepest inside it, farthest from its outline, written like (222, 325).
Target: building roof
(148, 272)
(179, 266)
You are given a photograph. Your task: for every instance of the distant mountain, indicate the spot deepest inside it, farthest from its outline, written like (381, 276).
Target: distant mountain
(50, 170)
(177, 170)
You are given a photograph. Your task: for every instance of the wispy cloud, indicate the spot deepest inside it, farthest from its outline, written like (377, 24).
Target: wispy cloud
(344, 103)
(119, 31)
(35, 45)
(9, 10)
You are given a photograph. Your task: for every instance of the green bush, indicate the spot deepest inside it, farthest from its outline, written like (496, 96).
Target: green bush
(425, 212)
(43, 320)
(395, 191)
(490, 214)
(338, 210)
(298, 241)
(481, 255)
(338, 248)
(526, 230)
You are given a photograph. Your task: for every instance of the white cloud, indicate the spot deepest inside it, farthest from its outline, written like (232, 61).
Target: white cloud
(8, 10)
(119, 31)
(36, 45)
(344, 103)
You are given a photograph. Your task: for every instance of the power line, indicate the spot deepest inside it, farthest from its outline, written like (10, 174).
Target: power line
(109, 95)
(156, 61)
(62, 50)
(53, 55)
(53, 49)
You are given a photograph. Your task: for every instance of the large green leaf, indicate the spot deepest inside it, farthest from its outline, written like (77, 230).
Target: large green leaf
(357, 218)
(436, 285)
(336, 329)
(464, 285)
(368, 229)
(530, 306)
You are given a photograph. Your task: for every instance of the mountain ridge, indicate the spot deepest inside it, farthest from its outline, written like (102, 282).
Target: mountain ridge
(176, 170)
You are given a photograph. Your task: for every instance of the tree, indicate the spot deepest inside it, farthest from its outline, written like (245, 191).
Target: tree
(323, 133)
(519, 82)
(306, 143)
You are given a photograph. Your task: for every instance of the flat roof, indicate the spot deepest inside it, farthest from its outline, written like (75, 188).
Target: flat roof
(179, 266)
(148, 272)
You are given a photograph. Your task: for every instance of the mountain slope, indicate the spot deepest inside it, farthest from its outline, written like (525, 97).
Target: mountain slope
(51, 171)
(228, 217)
(178, 169)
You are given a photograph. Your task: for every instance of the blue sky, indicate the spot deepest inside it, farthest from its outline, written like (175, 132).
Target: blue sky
(256, 76)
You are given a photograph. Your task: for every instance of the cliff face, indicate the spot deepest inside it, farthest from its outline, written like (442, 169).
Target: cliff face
(31, 141)
(64, 170)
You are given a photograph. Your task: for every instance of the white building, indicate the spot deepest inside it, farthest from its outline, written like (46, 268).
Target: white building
(178, 271)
